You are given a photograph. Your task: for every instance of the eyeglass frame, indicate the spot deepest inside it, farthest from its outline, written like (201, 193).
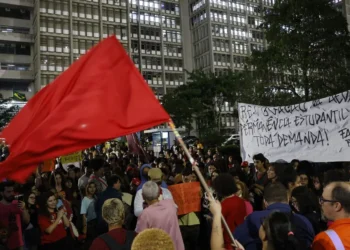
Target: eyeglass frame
(323, 200)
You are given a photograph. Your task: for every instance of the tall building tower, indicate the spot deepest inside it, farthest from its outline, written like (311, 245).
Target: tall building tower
(16, 48)
(149, 30)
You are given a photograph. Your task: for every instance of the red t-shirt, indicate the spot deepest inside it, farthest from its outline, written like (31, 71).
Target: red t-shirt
(57, 234)
(234, 211)
(10, 216)
(118, 234)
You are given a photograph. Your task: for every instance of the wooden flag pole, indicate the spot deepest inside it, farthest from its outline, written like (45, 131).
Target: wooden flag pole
(199, 174)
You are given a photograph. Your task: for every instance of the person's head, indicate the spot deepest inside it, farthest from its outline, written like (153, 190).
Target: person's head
(271, 173)
(214, 174)
(114, 182)
(47, 203)
(68, 183)
(97, 165)
(295, 164)
(335, 175)
(304, 201)
(317, 181)
(30, 199)
(56, 179)
(224, 185)
(260, 162)
(211, 169)
(335, 201)
(275, 193)
(150, 192)
(187, 175)
(276, 232)
(153, 239)
(289, 178)
(7, 191)
(145, 170)
(90, 189)
(155, 175)
(113, 212)
(35, 190)
(243, 191)
(304, 179)
(71, 171)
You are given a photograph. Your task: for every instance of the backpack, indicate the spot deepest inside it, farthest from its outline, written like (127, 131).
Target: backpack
(114, 245)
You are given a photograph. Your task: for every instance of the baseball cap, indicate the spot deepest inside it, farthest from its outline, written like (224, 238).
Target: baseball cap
(155, 174)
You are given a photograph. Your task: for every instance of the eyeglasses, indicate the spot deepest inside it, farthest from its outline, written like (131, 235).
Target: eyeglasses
(323, 200)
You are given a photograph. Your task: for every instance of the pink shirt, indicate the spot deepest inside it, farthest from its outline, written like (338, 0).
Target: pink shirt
(10, 216)
(248, 207)
(162, 215)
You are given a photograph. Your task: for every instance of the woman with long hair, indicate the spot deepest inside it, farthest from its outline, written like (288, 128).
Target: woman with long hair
(89, 216)
(57, 181)
(306, 203)
(52, 223)
(276, 233)
(32, 230)
(243, 193)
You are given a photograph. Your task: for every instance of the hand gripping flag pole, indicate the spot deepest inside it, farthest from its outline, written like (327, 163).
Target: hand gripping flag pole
(199, 174)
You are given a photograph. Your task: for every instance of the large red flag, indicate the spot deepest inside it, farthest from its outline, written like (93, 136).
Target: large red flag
(100, 97)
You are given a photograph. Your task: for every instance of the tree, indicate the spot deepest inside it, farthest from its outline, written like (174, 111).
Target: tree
(308, 53)
(202, 99)
(7, 112)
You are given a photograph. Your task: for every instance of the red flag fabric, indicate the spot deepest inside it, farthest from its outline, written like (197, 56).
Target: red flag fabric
(133, 144)
(99, 97)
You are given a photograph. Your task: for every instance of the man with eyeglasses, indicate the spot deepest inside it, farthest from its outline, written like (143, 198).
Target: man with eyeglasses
(335, 203)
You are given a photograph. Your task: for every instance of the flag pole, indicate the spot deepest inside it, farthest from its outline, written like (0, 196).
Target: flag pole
(199, 174)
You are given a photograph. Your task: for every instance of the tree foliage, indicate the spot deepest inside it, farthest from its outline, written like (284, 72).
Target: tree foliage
(308, 52)
(202, 98)
(7, 112)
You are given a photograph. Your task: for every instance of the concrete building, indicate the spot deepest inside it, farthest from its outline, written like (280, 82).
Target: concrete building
(149, 30)
(16, 43)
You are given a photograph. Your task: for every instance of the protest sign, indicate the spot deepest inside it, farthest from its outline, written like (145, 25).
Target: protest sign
(317, 131)
(48, 166)
(71, 158)
(187, 197)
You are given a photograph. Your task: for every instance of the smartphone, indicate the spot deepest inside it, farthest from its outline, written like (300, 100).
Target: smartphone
(19, 197)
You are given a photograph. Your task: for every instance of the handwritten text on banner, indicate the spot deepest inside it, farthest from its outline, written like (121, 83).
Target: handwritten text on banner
(317, 131)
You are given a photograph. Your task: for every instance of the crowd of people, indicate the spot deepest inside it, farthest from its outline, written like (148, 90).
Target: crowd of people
(117, 200)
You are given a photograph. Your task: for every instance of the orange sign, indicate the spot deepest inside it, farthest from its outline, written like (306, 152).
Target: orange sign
(48, 166)
(187, 197)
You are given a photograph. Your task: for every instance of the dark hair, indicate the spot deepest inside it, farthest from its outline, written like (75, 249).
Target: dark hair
(43, 203)
(224, 185)
(275, 192)
(6, 184)
(86, 188)
(26, 198)
(187, 171)
(53, 179)
(341, 193)
(294, 161)
(259, 157)
(113, 179)
(289, 175)
(307, 200)
(96, 164)
(279, 231)
(335, 175)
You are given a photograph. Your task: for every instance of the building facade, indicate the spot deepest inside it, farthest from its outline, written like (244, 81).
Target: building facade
(16, 43)
(39, 39)
(59, 32)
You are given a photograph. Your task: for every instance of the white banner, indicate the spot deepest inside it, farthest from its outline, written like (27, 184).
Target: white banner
(317, 131)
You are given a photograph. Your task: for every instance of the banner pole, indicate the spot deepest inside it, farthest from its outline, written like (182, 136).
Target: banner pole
(199, 174)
